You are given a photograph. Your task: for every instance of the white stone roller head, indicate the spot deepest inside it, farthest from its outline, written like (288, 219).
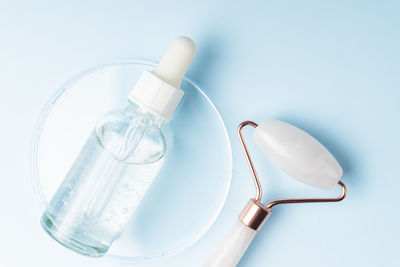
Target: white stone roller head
(298, 154)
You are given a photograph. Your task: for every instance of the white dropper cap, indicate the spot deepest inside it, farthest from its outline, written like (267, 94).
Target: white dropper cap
(158, 91)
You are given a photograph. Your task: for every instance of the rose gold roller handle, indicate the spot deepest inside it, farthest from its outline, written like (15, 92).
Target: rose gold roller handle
(299, 155)
(231, 249)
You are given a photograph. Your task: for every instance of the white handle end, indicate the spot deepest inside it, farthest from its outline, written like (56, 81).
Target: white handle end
(233, 246)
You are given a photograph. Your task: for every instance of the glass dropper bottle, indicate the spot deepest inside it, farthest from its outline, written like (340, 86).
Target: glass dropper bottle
(119, 161)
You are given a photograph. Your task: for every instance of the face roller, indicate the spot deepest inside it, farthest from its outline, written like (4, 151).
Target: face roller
(296, 153)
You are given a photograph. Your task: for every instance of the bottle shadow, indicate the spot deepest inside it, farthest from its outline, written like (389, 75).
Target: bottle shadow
(206, 64)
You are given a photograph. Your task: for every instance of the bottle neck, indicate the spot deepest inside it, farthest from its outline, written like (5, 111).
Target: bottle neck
(131, 107)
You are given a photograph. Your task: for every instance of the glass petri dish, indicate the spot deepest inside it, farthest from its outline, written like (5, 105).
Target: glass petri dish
(189, 192)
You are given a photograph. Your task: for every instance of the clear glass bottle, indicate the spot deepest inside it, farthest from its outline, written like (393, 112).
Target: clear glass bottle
(119, 161)
(107, 181)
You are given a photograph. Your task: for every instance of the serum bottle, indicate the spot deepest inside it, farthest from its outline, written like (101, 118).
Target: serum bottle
(119, 161)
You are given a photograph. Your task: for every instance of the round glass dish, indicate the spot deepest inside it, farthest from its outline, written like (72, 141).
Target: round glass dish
(191, 188)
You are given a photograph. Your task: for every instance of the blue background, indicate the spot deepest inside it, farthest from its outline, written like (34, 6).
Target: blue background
(329, 67)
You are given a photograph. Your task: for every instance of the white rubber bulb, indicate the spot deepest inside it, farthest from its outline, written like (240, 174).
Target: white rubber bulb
(176, 61)
(233, 246)
(298, 154)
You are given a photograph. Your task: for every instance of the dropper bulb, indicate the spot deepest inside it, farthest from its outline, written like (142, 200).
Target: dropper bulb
(176, 61)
